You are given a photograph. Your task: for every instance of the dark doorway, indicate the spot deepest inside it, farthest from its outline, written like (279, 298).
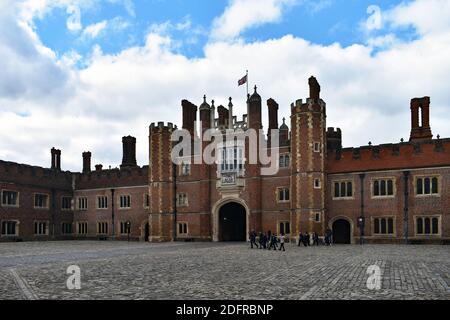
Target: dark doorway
(146, 232)
(232, 222)
(341, 232)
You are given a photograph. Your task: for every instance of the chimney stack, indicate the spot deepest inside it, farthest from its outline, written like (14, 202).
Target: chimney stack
(129, 152)
(314, 89)
(223, 116)
(98, 167)
(254, 111)
(86, 162)
(56, 159)
(420, 130)
(189, 116)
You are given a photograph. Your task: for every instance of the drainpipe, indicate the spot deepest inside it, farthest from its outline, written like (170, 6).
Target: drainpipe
(112, 215)
(406, 208)
(361, 218)
(174, 178)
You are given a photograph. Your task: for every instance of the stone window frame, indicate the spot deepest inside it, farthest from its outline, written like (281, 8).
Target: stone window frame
(279, 227)
(122, 227)
(47, 207)
(98, 204)
(394, 226)
(102, 224)
(17, 205)
(277, 194)
(71, 203)
(78, 203)
(146, 196)
(186, 201)
(182, 172)
(62, 228)
(47, 228)
(284, 155)
(319, 186)
(315, 216)
(431, 176)
(317, 147)
(77, 227)
(119, 201)
(185, 227)
(340, 181)
(385, 178)
(431, 216)
(17, 229)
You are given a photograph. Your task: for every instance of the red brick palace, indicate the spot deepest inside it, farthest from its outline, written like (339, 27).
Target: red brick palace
(389, 193)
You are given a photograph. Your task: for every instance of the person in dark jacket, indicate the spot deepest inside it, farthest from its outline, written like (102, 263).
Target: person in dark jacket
(306, 239)
(253, 240)
(261, 239)
(300, 239)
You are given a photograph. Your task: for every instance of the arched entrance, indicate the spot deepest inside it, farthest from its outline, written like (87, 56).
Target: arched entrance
(341, 231)
(232, 222)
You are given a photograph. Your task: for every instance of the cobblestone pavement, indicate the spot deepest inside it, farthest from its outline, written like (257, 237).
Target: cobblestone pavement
(121, 270)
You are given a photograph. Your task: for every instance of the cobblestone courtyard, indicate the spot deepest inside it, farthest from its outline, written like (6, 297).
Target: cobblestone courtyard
(120, 270)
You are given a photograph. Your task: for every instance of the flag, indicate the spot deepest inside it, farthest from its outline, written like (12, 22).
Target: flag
(242, 81)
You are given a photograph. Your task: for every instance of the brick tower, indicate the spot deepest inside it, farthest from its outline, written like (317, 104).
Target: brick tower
(161, 187)
(308, 182)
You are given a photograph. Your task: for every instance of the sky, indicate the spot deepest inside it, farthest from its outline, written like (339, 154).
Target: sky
(80, 74)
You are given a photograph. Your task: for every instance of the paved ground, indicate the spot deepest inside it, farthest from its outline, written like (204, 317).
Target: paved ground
(120, 270)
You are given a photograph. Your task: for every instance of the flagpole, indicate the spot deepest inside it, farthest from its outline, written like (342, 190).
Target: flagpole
(247, 81)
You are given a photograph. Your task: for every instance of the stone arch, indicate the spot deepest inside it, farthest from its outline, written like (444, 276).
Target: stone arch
(342, 217)
(216, 210)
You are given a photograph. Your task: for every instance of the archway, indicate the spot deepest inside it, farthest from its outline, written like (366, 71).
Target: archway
(341, 231)
(232, 222)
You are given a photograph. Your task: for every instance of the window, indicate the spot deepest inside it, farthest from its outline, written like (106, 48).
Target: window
(428, 225)
(383, 226)
(285, 160)
(182, 199)
(40, 200)
(10, 198)
(66, 203)
(427, 186)
(125, 202)
(82, 228)
(285, 227)
(102, 227)
(9, 228)
(231, 159)
(82, 203)
(185, 169)
(66, 228)
(283, 194)
(317, 216)
(146, 201)
(124, 227)
(343, 189)
(102, 202)
(317, 184)
(316, 146)
(182, 228)
(40, 228)
(383, 188)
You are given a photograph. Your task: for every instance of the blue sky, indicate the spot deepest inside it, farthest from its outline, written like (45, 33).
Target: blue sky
(321, 22)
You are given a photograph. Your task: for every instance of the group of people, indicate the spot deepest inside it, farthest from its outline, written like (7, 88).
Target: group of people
(267, 240)
(270, 240)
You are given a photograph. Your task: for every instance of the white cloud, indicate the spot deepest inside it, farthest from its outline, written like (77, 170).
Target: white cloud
(93, 30)
(241, 15)
(44, 102)
(74, 20)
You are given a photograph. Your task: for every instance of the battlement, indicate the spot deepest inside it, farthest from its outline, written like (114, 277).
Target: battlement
(405, 155)
(12, 172)
(113, 178)
(160, 126)
(334, 132)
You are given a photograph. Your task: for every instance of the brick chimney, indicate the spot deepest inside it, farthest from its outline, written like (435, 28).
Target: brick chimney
(420, 110)
(129, 152)
(87, 162)
(254, 111)
(189, 116)
(223, 116)
(56, 159)
(98, 167)
(314, 89)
